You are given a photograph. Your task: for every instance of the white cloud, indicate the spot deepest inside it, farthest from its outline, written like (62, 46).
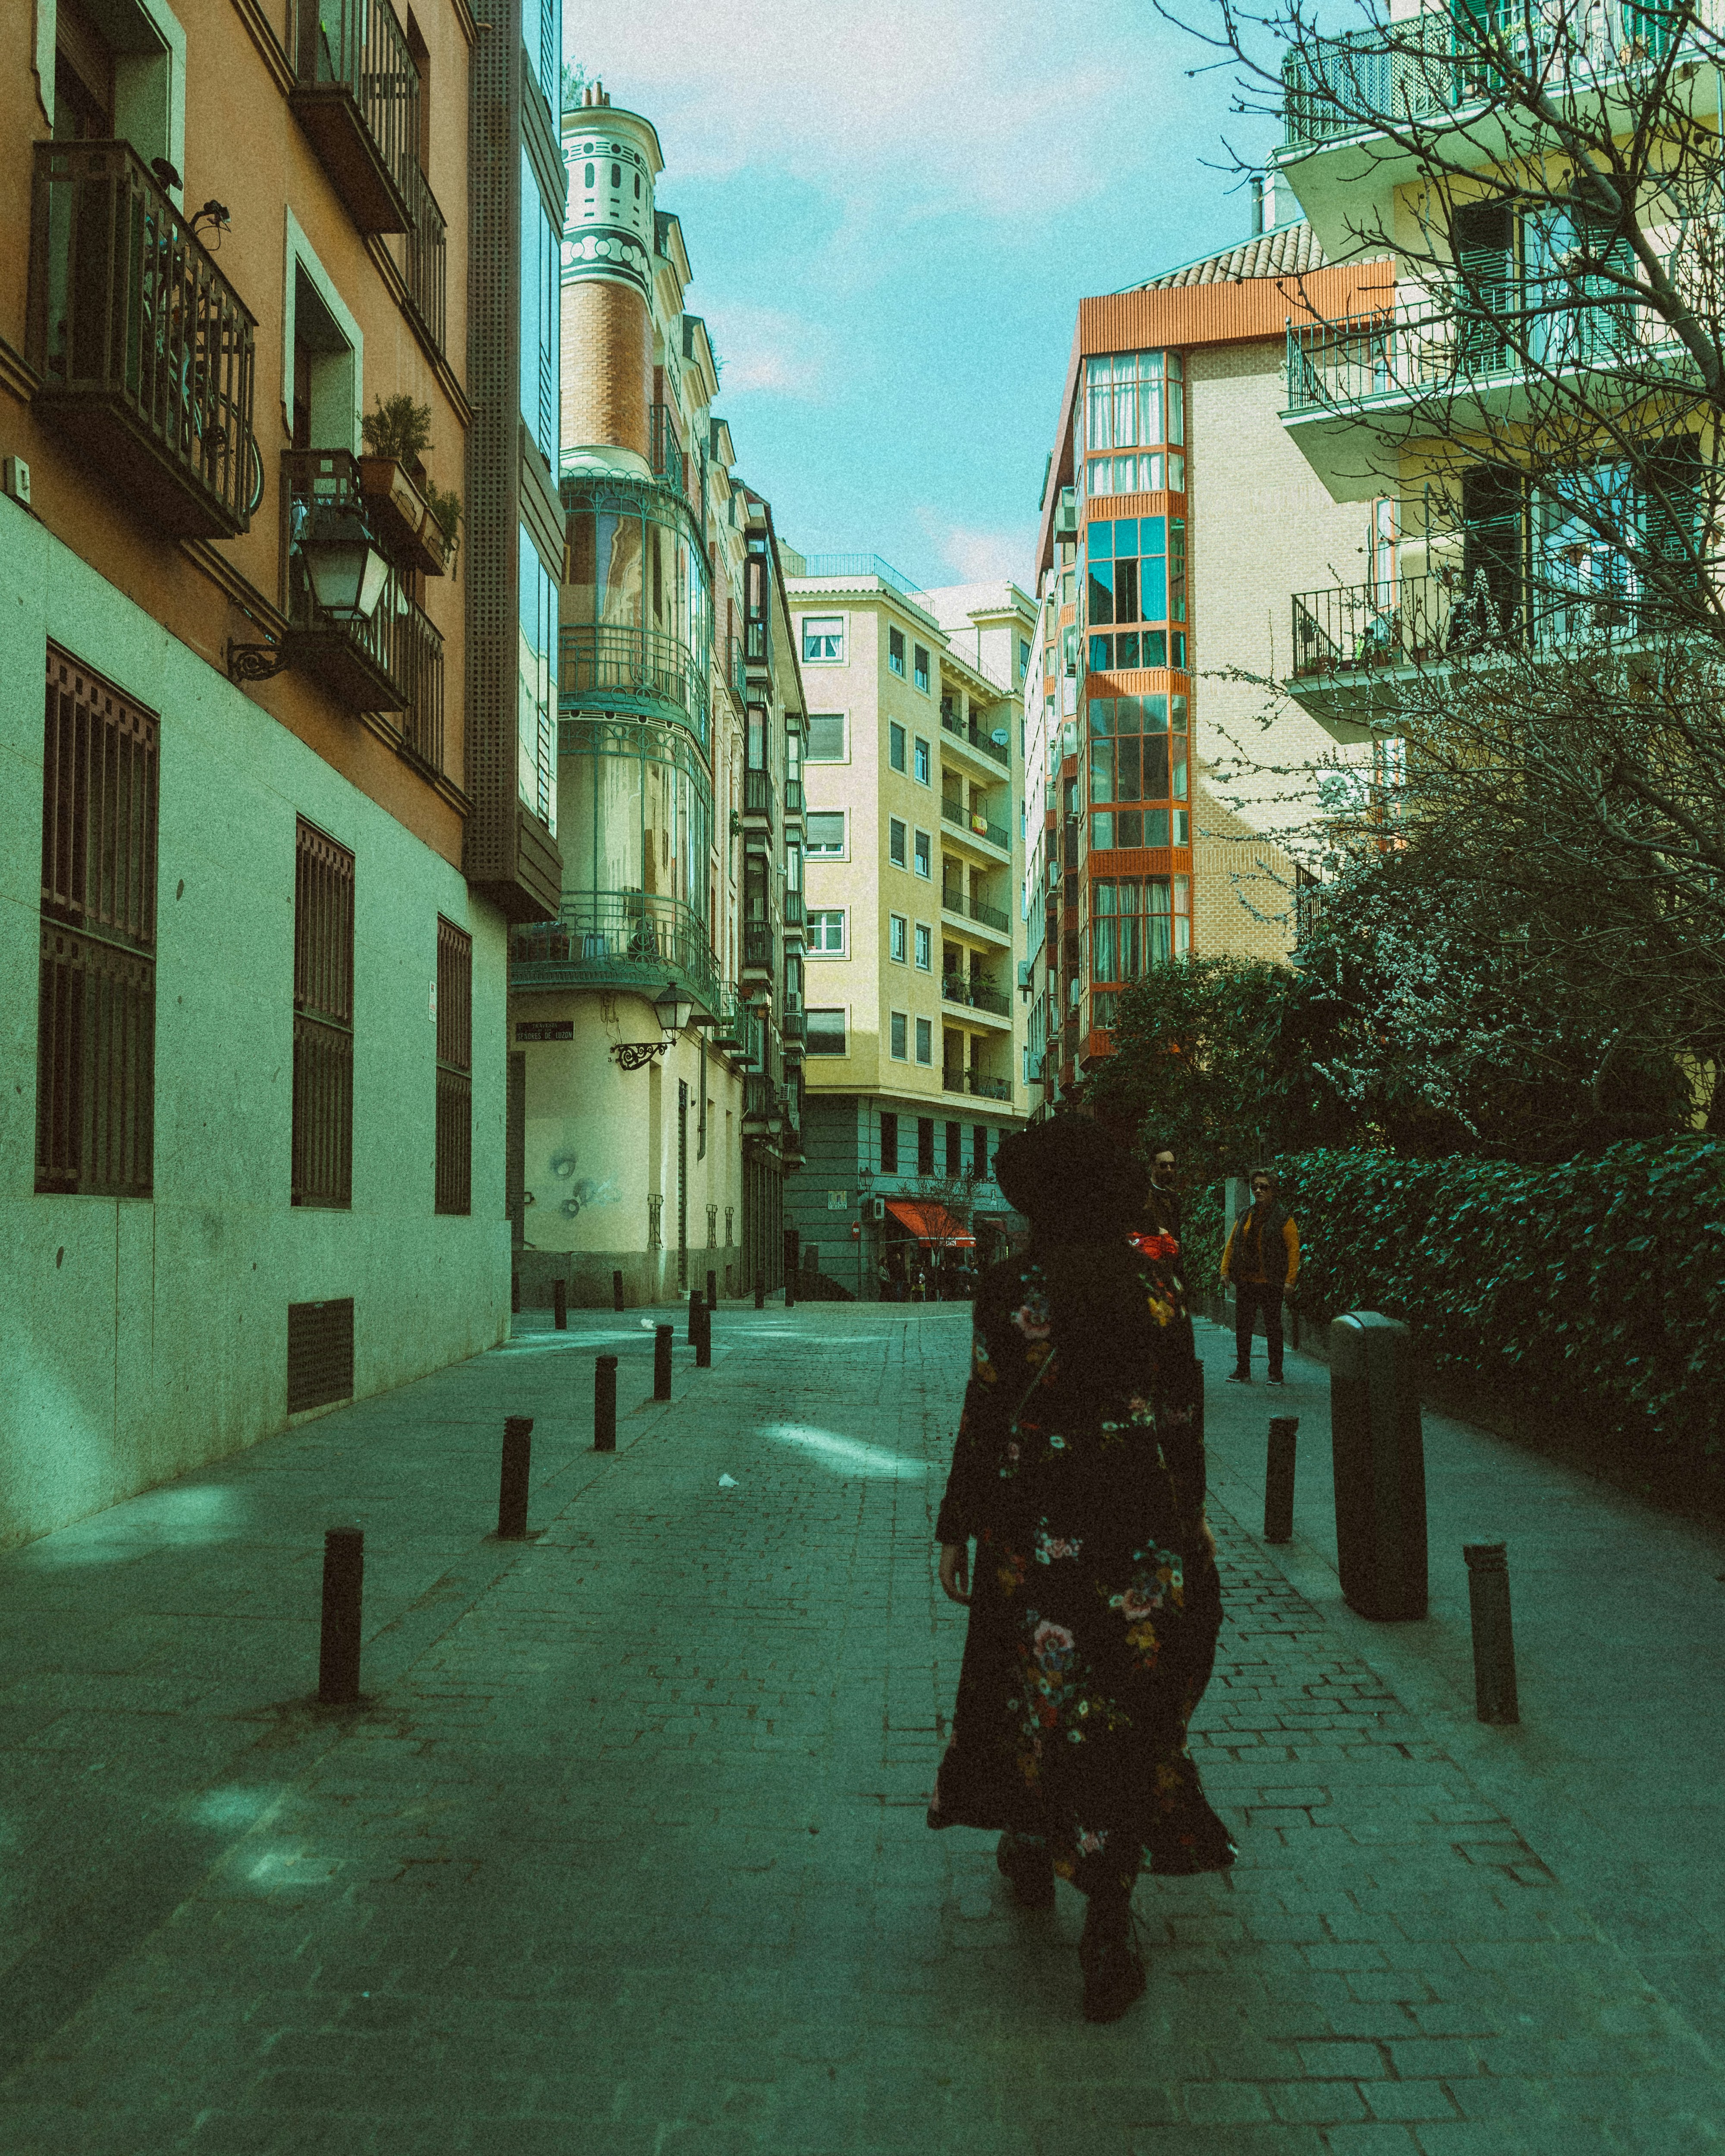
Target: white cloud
(770, 349)
(909, 107)
(978, 557)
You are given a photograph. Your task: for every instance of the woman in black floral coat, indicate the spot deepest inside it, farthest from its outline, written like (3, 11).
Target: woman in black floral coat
(1079, 1474)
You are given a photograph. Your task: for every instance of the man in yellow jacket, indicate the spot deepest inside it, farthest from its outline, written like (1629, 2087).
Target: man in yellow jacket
(1262, 1260)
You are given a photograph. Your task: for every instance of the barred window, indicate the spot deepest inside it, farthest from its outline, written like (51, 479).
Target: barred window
(95, 1044)
(323, 1021)
(455, 1068)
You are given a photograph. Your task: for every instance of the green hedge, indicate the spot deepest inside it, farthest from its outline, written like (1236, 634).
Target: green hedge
(1595, 1289)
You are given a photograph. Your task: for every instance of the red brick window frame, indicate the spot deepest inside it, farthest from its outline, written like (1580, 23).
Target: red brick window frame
(323, 1020)
(96, 1043)
(454, 1178)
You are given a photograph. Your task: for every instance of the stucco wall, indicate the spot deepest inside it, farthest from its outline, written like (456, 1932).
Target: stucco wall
(141, 1336)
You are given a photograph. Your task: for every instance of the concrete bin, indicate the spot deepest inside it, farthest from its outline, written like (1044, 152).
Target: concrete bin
(1379, 1457)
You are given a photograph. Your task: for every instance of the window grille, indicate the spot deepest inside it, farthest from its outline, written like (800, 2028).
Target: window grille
(96, 1032)
(455, 1068)
(323, 1021)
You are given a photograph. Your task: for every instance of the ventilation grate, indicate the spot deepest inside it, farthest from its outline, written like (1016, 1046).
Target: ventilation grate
(320, 1353)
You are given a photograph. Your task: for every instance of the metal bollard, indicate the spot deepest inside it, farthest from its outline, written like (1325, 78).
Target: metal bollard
(560, 1304)
(1279, 1479)
(760, 1291)
(696, 1304)
(703, 1337)
(605, 1404)
(661, 1362)
(512, 1487)
(790, 1281)
(617, 1291)
(344, 1568)
(1494, 1647)
(712, 1291)
(515, 1294)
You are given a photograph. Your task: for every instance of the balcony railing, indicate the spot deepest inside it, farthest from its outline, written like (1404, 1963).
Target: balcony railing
(974, 1082)
(1351, 632)
(425, 253)
(670, 466)
(758, 954)
(975, 824)
(758, 795)
(977, 909)
(143, 348)
(610, 939)
(763, 1103)
(794, 797)
(967, 730)
(1438, 61)
(1551, 325)
(793, 909)
(394, 662)
(734, 666)
(603, 658)
(976, 995)
(356, 96)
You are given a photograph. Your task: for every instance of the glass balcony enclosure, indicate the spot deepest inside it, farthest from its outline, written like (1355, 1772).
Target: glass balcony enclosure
(634, 811)
(636, 613)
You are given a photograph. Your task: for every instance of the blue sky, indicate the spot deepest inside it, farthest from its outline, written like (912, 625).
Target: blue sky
(892, 208)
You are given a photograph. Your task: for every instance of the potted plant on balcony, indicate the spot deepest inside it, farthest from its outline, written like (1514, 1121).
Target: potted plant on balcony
(397, 434)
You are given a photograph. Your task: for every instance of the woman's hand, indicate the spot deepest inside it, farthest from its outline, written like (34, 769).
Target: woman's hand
(955, 1571)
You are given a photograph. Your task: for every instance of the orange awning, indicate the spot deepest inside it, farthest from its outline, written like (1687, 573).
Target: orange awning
(930, 1223)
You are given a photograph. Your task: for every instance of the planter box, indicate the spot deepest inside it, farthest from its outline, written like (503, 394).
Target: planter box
(401, 522)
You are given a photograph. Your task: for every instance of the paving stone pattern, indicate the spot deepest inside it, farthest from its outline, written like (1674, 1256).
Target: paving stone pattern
(624, 1855)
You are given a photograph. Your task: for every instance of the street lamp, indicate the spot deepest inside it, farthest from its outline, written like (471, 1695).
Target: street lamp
(347, 573)
(671, 1007)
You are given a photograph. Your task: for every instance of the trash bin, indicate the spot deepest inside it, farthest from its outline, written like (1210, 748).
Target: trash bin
(1380, 1465)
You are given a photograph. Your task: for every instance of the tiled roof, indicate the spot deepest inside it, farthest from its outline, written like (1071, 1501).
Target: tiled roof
(1287, 251)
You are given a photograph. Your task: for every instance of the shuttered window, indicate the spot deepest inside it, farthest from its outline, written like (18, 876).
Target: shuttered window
(455, 1068)
(323, 1021)
(95, 1051)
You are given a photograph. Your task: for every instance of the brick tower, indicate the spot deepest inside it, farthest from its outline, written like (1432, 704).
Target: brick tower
(613, 159)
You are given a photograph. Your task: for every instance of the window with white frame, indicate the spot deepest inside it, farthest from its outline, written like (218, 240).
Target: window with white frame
(899, 1046)
(921, 656)
(825, 739)
(897, 938)
(925, 947)
(922, 762)
(824, 834)
(895, 745)
(896, 836)
(823, 639)
(826, 1033)
(925, 1040)
(896, 651)
(924, 855)
(825, 934)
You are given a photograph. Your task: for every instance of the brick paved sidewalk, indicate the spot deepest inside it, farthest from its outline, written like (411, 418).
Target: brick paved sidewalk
(625, 1856)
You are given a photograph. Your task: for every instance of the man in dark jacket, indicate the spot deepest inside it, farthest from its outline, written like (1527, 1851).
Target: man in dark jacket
(1262, 1260)
(1162, 1209)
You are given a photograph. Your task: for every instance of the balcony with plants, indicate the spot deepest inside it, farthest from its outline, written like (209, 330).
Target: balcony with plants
(976, 825)
(976, 994)
(621, 939)
(355, 92)
(142, 349)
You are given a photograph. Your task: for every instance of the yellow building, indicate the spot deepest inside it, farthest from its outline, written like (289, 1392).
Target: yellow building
(912, 768)
(654, 1024)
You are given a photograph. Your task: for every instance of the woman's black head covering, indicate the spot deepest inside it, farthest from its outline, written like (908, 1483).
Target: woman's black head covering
(1071, 1180)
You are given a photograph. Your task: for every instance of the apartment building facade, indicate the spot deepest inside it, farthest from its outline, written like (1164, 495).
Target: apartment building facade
(251, 1144)
(1177, 521)
(912, 763)
(655, 1039)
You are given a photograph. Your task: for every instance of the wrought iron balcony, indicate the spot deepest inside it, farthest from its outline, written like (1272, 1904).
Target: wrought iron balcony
(425, 263)
(394, 661)
(759, 951)
(793, 909)
(620, 939)
(976, 995)
(757, 797)
(976, 909)
(975, 824)
(144, 349)
(794, 797)
(356, 95)
(1439, 61)
(763, 1106)
(670, 465)
(603, 661)
(967, 730)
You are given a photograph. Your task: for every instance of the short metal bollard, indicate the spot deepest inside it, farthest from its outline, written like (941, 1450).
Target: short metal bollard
(760, 1291)
(1379, 1466)
(605, 1404)
(515, 1295)
(560, 1304)
(1494, 1647)
(512, 1486)
(790, 1285)
(617, 1291)
(661, 1362)
(703, 1337)
(712, 1291)
(344, 1568)
(696, 1304)
(1279, 1479)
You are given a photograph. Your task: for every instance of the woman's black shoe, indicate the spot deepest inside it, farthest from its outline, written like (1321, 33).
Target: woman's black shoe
(1030, 1869)
(1113, 1967)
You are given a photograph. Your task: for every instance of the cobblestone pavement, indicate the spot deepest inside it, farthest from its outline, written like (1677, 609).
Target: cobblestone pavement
(624, 1855)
